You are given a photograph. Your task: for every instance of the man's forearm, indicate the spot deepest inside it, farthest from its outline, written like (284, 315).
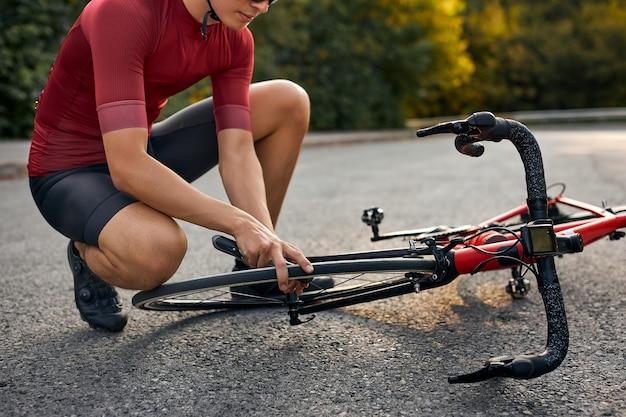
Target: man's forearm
(242, 174)
(162, 189)
(243, 180)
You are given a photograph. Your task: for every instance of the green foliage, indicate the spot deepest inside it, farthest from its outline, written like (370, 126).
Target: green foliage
(364, 63)
(31, 34)
(371, 63)
(546, 54)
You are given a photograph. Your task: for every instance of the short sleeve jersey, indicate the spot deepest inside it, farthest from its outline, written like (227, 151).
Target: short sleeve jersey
(117, 66)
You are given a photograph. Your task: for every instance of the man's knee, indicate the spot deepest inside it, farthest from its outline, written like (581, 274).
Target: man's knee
(294, 99)
(143, 247)
(162, 258)
(155, 257)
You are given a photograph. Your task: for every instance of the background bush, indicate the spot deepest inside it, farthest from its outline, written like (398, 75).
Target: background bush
(373, 63)
(30, 33)
(546, 54)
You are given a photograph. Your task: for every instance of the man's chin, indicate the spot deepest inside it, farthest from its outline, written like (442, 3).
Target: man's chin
(235, 25)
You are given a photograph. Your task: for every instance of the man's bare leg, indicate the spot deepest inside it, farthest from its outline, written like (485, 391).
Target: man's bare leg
(139, 248)
(280, 118)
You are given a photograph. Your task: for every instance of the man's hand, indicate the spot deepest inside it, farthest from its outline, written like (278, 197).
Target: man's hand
(261, 247)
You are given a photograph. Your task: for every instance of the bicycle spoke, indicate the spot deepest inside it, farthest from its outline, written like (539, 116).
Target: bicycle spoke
(343, 282)
(227, 297)
(369, 282)
(258, 297)
(312, 283)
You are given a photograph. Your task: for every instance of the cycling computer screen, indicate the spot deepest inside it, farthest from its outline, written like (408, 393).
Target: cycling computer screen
(539, 239)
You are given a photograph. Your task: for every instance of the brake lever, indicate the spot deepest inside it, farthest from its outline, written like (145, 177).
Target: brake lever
(479, 126)
(467, 145)
(516, 367)
(457, 127)
(494, 367)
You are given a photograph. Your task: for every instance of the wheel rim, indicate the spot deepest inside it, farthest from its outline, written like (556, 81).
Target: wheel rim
(234, 296)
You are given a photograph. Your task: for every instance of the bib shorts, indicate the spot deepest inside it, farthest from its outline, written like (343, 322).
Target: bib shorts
(79, 202)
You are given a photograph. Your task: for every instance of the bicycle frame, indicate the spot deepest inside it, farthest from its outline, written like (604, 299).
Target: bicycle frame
(604, 224)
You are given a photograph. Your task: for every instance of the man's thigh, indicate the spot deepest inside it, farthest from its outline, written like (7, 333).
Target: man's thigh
(84, 205)
(78, 203)
(186, 142)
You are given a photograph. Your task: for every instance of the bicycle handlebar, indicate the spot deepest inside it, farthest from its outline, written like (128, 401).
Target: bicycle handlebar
(531, 366)
(486, 126)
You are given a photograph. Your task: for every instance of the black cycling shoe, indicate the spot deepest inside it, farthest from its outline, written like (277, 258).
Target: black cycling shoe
(97, 301)
(271, 289)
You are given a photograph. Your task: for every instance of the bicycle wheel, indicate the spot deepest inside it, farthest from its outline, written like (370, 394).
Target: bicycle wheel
(352, 278)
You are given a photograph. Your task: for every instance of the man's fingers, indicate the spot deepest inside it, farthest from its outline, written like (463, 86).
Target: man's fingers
(251, 260)
(295, 255)
(262, 261)
(282, 275)
(277, 254)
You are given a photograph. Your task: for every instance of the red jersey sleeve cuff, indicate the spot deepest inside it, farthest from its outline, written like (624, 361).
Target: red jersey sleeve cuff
(233, 116)
(122, 115)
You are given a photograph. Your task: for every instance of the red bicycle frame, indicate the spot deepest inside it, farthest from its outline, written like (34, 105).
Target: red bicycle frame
(467, 259)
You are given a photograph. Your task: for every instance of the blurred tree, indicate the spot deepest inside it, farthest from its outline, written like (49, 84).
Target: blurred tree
(365, 63)
(437, 27)
(371, 63)
(547, 54)
(30, 35)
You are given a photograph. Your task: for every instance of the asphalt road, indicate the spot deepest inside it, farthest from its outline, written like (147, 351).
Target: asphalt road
(384, 358)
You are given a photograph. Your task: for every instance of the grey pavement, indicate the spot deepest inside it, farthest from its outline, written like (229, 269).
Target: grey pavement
(388, 358)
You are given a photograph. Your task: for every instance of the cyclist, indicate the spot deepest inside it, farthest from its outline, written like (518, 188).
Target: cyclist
(105, 177)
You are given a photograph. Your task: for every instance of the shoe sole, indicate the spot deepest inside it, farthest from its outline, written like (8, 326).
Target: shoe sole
(103, 329)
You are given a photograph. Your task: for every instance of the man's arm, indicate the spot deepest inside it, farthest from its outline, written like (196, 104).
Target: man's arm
(135, 172)
(242, 174)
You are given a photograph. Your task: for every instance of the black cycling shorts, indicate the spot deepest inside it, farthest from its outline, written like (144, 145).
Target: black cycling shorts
(79, 202)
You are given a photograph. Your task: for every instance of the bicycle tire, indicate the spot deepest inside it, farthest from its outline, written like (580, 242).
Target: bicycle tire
(172, 296)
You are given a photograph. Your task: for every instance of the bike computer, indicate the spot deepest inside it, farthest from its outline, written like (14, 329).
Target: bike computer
(539, 239)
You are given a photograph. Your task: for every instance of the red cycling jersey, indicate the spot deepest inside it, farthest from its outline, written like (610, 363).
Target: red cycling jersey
(117, 66)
